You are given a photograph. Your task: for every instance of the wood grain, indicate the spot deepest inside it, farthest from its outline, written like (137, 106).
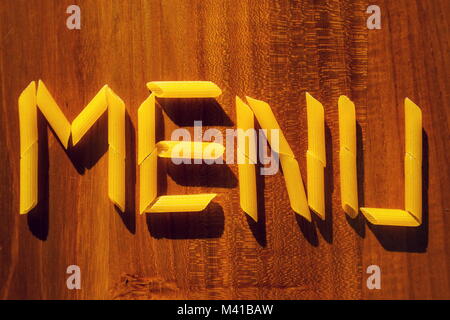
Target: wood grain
(269, 50)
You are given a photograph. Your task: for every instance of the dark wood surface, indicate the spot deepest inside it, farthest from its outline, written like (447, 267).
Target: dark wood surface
(269, 50)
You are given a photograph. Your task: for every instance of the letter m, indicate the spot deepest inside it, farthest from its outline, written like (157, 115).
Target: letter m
(31, 99)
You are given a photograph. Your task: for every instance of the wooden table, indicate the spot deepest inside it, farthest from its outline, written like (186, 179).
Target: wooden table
(270, 50)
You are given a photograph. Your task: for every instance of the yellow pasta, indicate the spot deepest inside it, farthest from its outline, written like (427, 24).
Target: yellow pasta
(146, 128)
(149, 150)
(413, 130)
(105, 99)
(289, 164)
(412, 215)
(315, 185)
(348, 179)
(116, 123)
(316, 128)
(34, 97)
(315, 156)
(267, 120)
(246, 136)
(294, 186)
(184, 89)
(29, 179)
(413, 187)
(148, 179)
(116, 178)
(247, 189)
(390, 217)
(53, 114)
(28, 149)
(347, 124)
(247, 173)
(28, 118)
(347, 156)
(117, 149)
(89, 115)
(244, 116)
(182, 203)
(189, 149)
(413, 160)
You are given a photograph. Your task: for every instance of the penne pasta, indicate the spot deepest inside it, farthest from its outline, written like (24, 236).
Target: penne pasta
(104, 100)
(315, 156)
(289, 164)
(182, 203)
(149, 150)
(412, 215)
(246, 168)
(347, 156)
(189, 149)
(146, 128)
(148, 179)
(89, 115)
(29, 179)
(184, 89)
(55, 117)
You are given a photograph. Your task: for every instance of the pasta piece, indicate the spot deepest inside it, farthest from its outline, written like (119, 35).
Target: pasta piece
(347, 124)
(182, 203)
(267, 120)
(103, 100)
(316, 128)
(29, 179)
(189, 149)
(413, 187)
(28, 118)
(53, 114)
(413, 130)
(148, 149)
(89, 115)
(412, 215)
(146, 128)
(315, 184)
(349, 184)
(117, 149)
(116, 123)
(315, 156)
(413, 159)
(116, 178)
(246, 136)
(246, 168)
(289, 164)
(148, 179)
(247, 190)
(184, 89)
(294, 186)
(347, 156)
(390, 217)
